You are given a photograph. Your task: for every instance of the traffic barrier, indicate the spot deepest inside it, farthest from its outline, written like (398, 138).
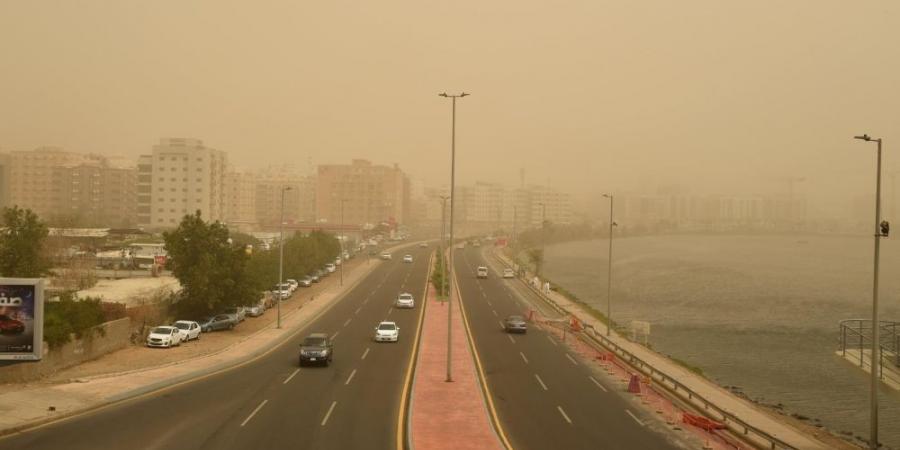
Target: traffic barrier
(702, 422)
(634, 386)
(575, 324)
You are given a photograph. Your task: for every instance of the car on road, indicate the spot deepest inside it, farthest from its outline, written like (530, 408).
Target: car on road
(238, 312)
(515, 324)
(164, 336)
(407, 258)
(306, 281)
(10, 325)
(405, 300)
(423, 245)
(316, 348)
(330, 267)
(189, 329)
(387, 332)
(482, 272)
(508, 273)
(385, 256)
(217, 322)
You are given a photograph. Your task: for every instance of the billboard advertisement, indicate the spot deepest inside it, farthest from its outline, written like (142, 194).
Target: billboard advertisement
(21, 319)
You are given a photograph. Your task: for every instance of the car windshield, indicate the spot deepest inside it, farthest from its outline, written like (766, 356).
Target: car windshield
(515, 319)
(387, 327)
(162, 330)
(183, 325)
(314, 342)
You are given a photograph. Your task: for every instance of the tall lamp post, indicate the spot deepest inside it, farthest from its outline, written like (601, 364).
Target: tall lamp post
(444, 199)
(881, 230)
(341, 240)
(609, 268)
(281, 252)
(543, 237)
(452, 208)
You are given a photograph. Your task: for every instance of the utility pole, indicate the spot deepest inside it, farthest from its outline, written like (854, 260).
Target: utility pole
(281, 253)
(609, 269)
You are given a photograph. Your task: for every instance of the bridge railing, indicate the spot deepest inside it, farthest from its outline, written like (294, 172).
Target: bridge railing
(856, 334)
(734, 422)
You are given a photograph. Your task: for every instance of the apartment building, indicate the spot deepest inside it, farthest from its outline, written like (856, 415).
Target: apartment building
(299, 197)
(31, 176)
(239, 189)
(185, 177)
(368, 194)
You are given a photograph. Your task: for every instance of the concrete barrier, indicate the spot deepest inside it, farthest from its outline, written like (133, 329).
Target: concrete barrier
(116, 335)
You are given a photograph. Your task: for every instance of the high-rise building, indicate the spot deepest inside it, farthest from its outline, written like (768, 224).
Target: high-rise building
(299, 199)
(186, 176)
(31, 177)
(240, 200)
(370, 194)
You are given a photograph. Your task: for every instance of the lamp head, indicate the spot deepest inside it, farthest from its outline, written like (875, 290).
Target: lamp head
(443, 94)
(864, 137)
(463, 94)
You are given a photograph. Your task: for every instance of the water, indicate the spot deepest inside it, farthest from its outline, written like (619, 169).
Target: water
(757, 312)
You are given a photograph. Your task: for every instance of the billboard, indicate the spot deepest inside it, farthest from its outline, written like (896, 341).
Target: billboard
(21, 319)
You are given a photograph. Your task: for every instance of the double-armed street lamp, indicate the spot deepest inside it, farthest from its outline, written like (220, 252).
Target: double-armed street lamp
(452, 208)
(444, 199)
(281, 253)
(882, 228)
(609, 268)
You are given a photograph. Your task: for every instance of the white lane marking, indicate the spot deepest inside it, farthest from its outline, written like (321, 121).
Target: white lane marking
(635, 418)
(539, 380)
(489, 304)
(292, 376)
(334, 335)
(254, 412)
(365, 353)
(347, 322)
(495, 312)
(501, 324)
(328, 414)
(550, 339)
(390, 310)
(571, 359)
(598, 384)
(357, 310)
(350, 377)
(366, 300)
(511, 338)
(524, 358)
(565, 416)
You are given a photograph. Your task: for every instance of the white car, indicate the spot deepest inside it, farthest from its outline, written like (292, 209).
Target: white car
(405, 300)
(407, 258)
(508, 273)
(423, 245)
(292, 284)
(338, 261)
(482, 272)
(387, 332)
(330, 267)
(189, 329)
(164, 337)
(385, 256)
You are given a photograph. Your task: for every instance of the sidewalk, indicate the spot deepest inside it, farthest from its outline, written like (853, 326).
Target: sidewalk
(30, 406)
(725, 400)
(447, 415)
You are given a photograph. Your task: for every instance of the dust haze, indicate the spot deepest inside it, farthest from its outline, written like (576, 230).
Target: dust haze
(586, 96)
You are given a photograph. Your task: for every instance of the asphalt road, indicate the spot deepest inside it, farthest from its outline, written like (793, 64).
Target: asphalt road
(544, 394)
(271, 403)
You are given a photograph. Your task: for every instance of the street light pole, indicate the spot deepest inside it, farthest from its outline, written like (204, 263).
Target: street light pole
(341, 240)
(543, 237)
(281, 253)
(609, 268)
(452, 208)
(443, 234)
(873, 394)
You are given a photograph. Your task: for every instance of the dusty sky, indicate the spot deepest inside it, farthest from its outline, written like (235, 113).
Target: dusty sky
(586, 94)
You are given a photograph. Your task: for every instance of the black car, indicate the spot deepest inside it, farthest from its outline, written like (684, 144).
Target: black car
(316, 348)
(515, 324)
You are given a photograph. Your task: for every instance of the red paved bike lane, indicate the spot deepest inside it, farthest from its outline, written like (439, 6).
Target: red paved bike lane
(446, 415)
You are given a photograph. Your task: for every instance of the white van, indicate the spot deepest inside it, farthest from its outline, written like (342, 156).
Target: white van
(482, 272)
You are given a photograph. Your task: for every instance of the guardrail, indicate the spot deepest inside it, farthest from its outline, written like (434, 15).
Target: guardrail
(856, 334)
(734, 423)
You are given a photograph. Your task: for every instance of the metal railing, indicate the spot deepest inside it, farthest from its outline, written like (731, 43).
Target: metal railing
(856, 334)
(732, 421)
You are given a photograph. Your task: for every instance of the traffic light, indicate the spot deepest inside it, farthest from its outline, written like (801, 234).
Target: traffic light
(885, 228)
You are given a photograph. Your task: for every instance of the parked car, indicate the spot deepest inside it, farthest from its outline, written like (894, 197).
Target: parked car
(508, 273)
(306, 281)
(316, 348)
(10, 325)
(217, 322)
(237, 311)
(292, 284)
(322, 273)
(405, 300)
(330, 267)
(387, 332)
(407, 258)
(164, 337)
(256, 310)
(189, 329)
(482, 272)
(515, 324)
(338, 261)
(315, 277)
(385, 256)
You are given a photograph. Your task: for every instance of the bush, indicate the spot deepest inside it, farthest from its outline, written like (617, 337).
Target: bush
(70, 316)
(438, 275)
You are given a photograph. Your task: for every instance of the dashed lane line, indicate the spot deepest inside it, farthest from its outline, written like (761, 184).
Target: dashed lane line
(523, 357)
(348, 322)
(565, 416)
(334, 335)
(539, 380)
(350, 378)
(550, 339)
(511, 339)
(291, 377)
(254, 412)
(571, 359)
(328, 414)
(495, 312)
(365, 353)
(357, 310)
(635, 418)
(598, 384)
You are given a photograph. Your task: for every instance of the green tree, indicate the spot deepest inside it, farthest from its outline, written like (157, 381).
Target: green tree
(21, 243)
(536, 257)
(212, 271)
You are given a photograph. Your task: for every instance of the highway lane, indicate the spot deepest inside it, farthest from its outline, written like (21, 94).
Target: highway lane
(544, 395)
(269, 403)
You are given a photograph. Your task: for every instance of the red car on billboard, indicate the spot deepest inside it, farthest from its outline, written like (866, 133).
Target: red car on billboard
(10, 325)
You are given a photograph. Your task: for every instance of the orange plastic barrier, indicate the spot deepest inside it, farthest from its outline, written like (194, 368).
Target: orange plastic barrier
(702, 422)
